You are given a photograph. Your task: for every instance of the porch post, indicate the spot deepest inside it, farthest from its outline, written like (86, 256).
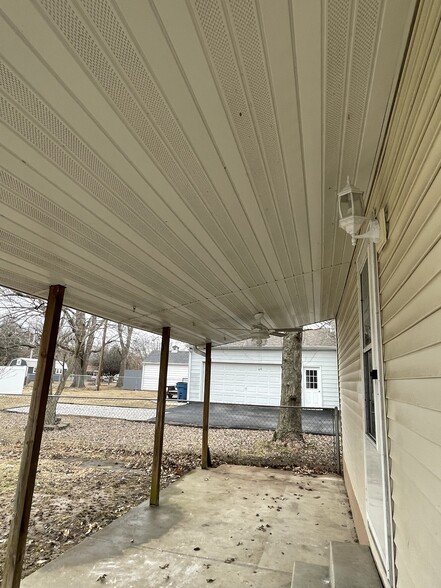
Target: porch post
(206, 462)
(34, 429)
(160, 415)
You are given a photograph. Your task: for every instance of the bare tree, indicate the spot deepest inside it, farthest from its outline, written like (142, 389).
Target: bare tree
(125, 339)
(21, 322)
(83, 329)
(15, 341)
(75, 345)
(50, 418)
(142, 344)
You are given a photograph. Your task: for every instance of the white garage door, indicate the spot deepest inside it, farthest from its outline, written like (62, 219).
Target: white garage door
(245, 383)
(150, 375)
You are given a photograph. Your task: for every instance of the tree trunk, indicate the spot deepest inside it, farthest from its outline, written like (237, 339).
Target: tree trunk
(91, 327)
(84, 332)
(125, 348)
(289, 427)
(76, 380)
(50, 418)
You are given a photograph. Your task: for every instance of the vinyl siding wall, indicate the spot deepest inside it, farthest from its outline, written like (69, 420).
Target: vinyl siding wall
(408, 183)
(150, 375)
(351, 391)
(326, 360)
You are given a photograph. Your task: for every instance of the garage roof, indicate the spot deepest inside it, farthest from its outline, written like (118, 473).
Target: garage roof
(177, 163)
(174, 357)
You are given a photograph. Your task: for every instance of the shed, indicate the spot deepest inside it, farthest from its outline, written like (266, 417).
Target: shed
(243, 373)
(177, 368)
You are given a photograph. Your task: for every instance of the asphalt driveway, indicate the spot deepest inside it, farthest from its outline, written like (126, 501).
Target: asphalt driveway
(239, 416)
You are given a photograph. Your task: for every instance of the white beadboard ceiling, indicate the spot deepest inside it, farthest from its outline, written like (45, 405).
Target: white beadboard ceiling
(176, 162)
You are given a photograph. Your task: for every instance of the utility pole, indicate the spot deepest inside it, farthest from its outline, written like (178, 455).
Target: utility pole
(103, 347)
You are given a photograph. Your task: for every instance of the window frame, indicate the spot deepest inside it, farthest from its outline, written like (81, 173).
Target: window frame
(370, 413)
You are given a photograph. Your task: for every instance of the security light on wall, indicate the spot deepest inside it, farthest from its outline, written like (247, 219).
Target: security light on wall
(351, 214)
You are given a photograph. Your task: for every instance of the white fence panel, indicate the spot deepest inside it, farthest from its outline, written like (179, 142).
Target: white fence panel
(12, 378)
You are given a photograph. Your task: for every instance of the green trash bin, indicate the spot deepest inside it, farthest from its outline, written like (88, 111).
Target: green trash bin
(182, 390)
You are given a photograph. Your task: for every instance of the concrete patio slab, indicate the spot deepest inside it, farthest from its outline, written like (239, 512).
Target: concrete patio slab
(230, 526)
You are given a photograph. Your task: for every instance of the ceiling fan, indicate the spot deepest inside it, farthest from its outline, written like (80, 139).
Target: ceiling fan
(260, 333)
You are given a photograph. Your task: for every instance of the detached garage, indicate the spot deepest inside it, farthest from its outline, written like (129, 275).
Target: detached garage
(177, 368)
(243, 373)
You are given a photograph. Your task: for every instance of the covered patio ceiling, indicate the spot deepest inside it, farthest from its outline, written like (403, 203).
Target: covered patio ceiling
(177, 162)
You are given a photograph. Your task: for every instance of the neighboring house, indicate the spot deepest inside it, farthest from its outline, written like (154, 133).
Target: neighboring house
(31, 364)
(243, 373)
(177, 369)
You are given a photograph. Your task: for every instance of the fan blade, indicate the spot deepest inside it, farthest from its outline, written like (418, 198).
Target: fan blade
(283, 332)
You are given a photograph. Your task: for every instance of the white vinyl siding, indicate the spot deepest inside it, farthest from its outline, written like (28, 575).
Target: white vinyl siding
(408, 183)
(351, 389)
(150, 375)
(244, 374)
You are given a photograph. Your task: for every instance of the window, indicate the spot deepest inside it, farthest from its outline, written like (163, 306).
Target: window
(311, 379)
(367, 353)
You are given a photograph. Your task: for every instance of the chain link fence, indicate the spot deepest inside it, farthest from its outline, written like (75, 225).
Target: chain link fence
(247, 434)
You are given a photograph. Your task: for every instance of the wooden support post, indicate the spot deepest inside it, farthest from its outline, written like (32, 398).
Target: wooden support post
(34, 429)
(206, 416)
(160, 415)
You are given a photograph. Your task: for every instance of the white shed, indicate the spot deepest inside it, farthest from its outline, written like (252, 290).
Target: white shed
(177, 369)
(243, 373)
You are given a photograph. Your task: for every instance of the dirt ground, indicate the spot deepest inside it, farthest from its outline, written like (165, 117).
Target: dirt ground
(94, 470)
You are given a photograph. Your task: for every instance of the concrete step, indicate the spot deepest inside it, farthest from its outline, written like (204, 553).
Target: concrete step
(307, 575)
(352, 566)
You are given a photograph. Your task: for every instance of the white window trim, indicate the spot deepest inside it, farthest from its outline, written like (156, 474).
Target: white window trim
(368, 253)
